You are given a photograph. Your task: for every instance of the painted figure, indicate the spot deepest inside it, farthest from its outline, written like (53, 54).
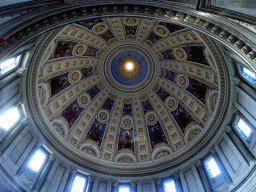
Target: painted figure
(200, 89)
(61, 48)
(184, 119)
(69, 114)
(56, 83)
(125, 141)
(94, 134)
(157, 137)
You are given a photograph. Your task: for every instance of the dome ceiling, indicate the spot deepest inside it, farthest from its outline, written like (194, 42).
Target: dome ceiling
(116, 93)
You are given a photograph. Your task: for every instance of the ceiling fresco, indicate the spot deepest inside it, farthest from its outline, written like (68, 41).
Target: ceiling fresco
(128, 90)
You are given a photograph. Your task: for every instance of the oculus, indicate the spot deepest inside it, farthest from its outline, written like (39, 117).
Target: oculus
(129, 66)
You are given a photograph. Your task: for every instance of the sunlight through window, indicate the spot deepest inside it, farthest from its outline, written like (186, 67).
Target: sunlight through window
(124, 189)
(37, 160)
(244, 128)
(78, 184)
(249, 73)
(9, 64)
(169, 186)
(212, 167)
(8, 119)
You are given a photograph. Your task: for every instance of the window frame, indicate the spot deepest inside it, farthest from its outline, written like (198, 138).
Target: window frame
(29, 170)
(73, 180)
(125, 185)
(165, 180)
(16, 67)
(249, 139)
(244, 77)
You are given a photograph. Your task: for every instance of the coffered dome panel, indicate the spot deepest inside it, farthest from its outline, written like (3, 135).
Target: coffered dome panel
(117, 93)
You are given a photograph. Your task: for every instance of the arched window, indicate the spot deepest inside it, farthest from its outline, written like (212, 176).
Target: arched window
(247, 74)
(9, 64)
(243, 128)
(37, 160)
(212, 167)
(124, 188)
(79, 183)
(9, 118)
(169, 186)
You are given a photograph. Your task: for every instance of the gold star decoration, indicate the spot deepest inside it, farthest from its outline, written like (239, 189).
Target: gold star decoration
(129, 66)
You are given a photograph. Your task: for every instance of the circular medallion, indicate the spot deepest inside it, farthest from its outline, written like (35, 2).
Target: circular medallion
(127, 122)
(182, 81)
(75, 76)
(151, 118)
(129, 68)
(171, 103)
(180, 54)
(100, 28)
(131, 21)
(161, 31)
(79, 50)
(84, 100)
(103, 116)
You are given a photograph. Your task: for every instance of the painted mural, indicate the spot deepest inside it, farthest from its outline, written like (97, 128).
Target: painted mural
(72, 112)
(172, 27)
(130, 30)
(182, 117)
(126, 140)
(170, 75)
(108, 104)
(196, 54)
(107, 35)
(87, 72)
(147, 106)
(168, 54)
(64, 49)
(93, 91)
(127, 110)
(59, 83)
(153, 37)
(198, 89)
(91, 51)
(162, 94)
(96, 132)
(156, 134)
(89, 23)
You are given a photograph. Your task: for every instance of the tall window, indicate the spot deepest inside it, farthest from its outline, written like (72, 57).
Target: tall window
(9, 118)
(212, 167)
(243, 129)
(79, 183)
(248, 74)
(169, 186)
(37, 160)
(124, 189)
(9, 64)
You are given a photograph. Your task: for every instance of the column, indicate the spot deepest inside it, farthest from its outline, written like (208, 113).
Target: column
(205, 181)
(70, 178)
(90, 183)
(109, 186)
(39, 183)
(177, 182)
(95, 185)
(6, 142)
(134, 186)
(242, 148)
(183, 182)
(114, 188)
(198, 180)
(159, 185)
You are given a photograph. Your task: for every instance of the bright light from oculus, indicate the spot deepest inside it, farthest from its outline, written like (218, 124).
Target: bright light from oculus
(9, 118)
(124, 189)
(78, 184)
(250, 73)
(242, 125)
(37, 160)
(169, 186)
(213, 167)
(129, 66)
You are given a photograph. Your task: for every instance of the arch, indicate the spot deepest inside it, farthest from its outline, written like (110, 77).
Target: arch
(63, 125)
(159, 149)
(92, 147)
(192, 128)
(129, 155)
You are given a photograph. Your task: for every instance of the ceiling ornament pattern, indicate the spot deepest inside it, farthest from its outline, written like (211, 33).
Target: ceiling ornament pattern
(90, 107)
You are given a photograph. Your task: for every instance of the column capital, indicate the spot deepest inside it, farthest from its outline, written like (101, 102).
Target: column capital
(228, 129)
(158, 180)
(91, 178)
(133, 183)
(115, 183)
(212, 149)
(198, 163)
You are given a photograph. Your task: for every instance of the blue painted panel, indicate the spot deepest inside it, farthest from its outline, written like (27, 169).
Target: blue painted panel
(156, 134)
(126, 140)
(96, 132)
